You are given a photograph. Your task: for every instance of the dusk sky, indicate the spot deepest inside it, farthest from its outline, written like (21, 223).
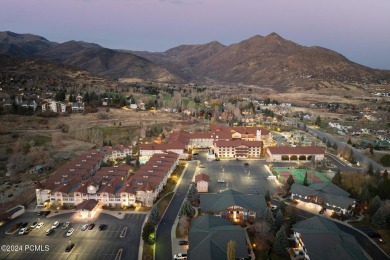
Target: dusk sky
(357, 29)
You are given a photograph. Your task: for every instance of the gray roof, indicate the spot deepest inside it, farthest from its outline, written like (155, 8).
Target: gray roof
(209, 235)
(329, 188)
(331, 194)
(324, 240)
(220, 201)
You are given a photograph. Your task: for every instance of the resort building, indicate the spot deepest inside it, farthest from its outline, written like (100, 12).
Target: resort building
(318, 238)
(324, 195)
(299, 153)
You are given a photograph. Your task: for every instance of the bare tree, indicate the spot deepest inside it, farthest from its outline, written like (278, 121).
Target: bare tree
(183, 225)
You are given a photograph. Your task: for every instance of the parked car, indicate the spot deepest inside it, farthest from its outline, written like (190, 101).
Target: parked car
(23, 224)
(102, 227)
(47, 212)
(246, 164)
(373, 234)
(91, 226)
(273, 207)
(322, 211)
(34, 225)
(40, 224)
(202, 166)
(221, 181)
(21, 231)
(84, 227)
(70, 232)
(49, 231)
(183, 242)
(55, 224)
(180, 256)
(40, 212)
(69, 247)
(28, 229)
(65, 225)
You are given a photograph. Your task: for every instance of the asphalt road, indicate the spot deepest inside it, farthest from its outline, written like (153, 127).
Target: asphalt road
(163, 249)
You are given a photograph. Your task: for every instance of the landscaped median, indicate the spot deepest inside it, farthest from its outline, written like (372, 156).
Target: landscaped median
(148, 232)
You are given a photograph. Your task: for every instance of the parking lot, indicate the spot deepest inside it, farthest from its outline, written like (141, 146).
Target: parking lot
(246, 176)
(89, 244)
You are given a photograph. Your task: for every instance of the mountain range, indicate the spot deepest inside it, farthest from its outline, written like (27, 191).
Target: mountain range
(270, 61)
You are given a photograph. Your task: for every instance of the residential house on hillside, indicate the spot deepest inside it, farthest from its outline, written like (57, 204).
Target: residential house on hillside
(78, 107)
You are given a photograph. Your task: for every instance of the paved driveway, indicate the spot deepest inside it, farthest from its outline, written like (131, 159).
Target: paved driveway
(246, 176)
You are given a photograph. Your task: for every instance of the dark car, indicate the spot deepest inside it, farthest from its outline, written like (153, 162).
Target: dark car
(23, 224)
(46, 212)
(322, 210)
(183, 242)
(102, 227)
(69, 247)
(40, 213)
(373, 234)
(246, 164)
(91, 226)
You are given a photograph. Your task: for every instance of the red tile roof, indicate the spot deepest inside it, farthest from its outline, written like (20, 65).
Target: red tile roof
(202, 177)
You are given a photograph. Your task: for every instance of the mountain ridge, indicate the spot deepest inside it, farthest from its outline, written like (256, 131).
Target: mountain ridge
(259, 60)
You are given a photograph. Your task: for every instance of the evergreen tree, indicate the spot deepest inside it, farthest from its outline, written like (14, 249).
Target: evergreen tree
(384, 188)
(379, 218)
(269, 218)
(267, 196)
(155, 215)
(231, 250)
(318, 121)
(352, 160)
(147, 232)
(109, 143)
(278, 219)
(290, 181)
(281, 242)
(337, 178)
(335, 146)
(374, 206)
(187, 210)
(349, 141)
(370, 170)
(305, 180)
(192, 194)
(128, 159)
(282, 206)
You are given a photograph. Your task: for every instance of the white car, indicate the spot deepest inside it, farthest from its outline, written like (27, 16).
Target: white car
(40, 224)
(84, 227)
(22, 230)
(34, 225)
(55, 224)
(65, 225)
(70, 232)
(273, 207)
(221, 181)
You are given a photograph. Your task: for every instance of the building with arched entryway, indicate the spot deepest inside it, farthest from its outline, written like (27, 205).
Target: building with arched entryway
(295, 154)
